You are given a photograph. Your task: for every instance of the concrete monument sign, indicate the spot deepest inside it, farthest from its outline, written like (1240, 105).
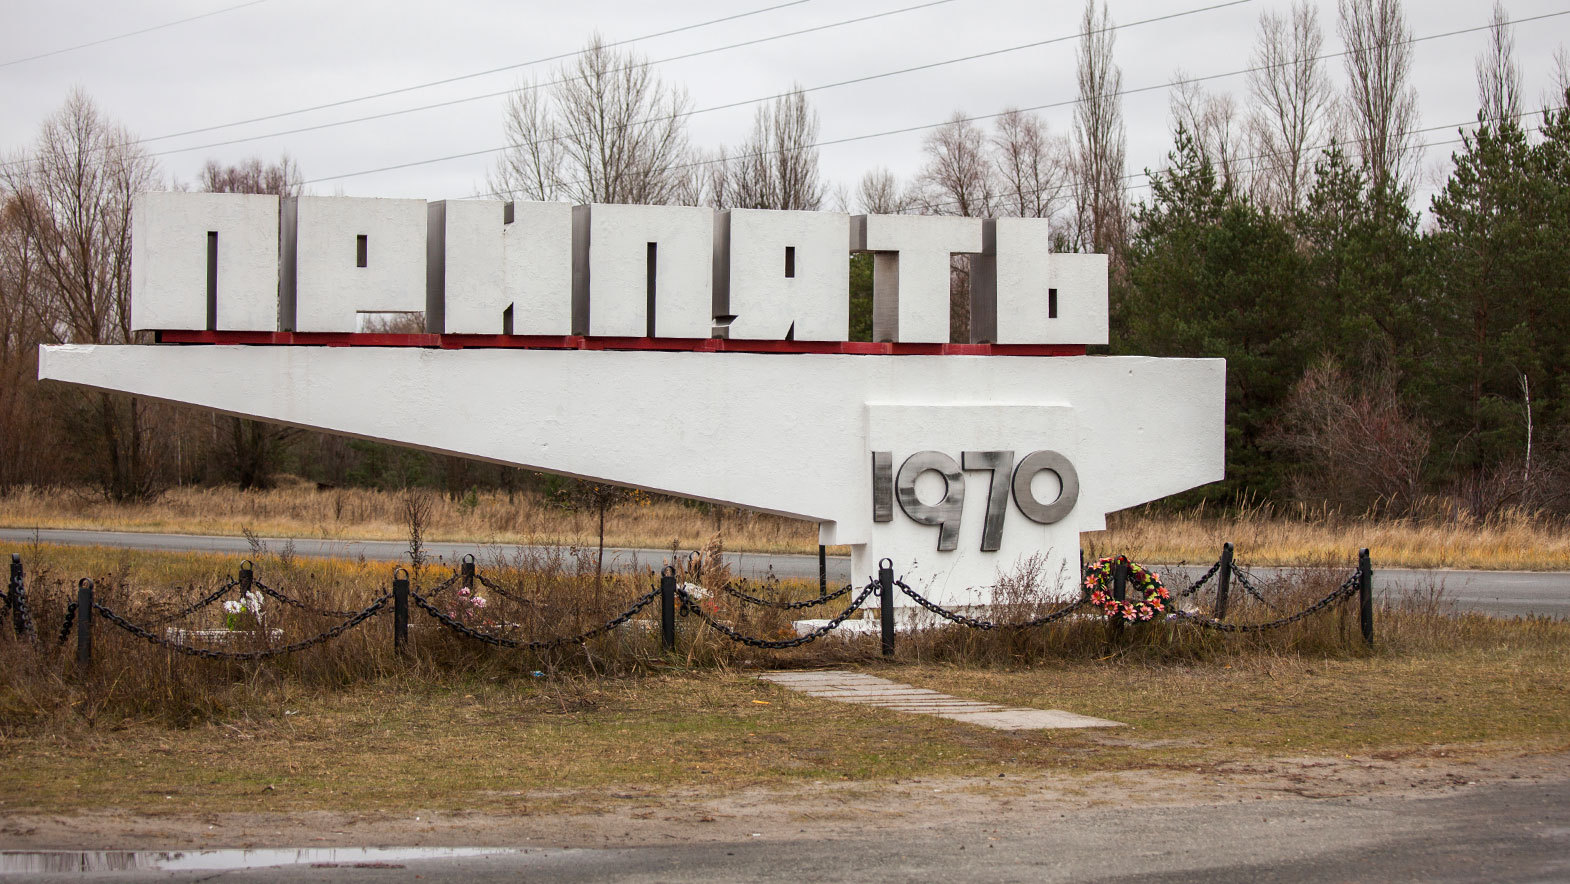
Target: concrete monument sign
(685, 351)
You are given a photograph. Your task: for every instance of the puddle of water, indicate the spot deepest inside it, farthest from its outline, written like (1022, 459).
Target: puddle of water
(16, 862)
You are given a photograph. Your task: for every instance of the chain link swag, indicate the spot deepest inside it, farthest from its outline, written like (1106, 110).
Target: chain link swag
(210, 654)
(687, 605)
(978, 623)
(787, 606)
(1345, 591)
(538, 645)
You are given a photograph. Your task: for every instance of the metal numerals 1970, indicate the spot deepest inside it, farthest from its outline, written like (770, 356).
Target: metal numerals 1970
(945, 514)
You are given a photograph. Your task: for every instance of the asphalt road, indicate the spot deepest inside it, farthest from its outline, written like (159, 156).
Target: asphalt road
(1500, 832)
(1500, 593)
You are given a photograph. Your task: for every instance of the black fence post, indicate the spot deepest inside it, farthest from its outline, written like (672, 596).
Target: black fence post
(823, 570)
(1224, 585)
(400, 610)
(668, 607)
(84, 624)
(1120, 578)
(247, 577)
(886, 604)
(1365, 596)
(468, 571)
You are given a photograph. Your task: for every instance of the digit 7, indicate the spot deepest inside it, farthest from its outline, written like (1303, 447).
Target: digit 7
(1001, 463)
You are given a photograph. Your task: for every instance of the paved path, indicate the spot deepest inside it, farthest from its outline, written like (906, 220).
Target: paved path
(855, 687)
(1502, 593)
(1497, 833)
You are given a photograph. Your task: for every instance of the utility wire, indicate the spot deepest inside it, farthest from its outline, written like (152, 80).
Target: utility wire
(1420, 146)
(1351, 141)
(469, 76)
(489, 150)
(976, 118)
(644, 64)
(167, 24)
(1255, 158)
(1258, 165)
(1119, 94)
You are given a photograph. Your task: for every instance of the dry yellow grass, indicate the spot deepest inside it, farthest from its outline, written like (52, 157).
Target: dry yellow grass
(1510, 541)
(300, 510)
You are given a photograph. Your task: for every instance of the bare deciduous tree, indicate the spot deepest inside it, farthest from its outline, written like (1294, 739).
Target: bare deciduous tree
(1292, 98)
(880, 194)
(777, 167)
(957, 178)
(72, 199)
(1498, 78)
(29, 449)
(1381, 105)
(530, 168)
(1561, 78)
(1361, 445)
(1100, 139)
(606, 130)
(1213, 123)
(282, 178)
(1032, 166)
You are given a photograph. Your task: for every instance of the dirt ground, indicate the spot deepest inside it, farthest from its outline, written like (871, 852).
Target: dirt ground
(827, 810)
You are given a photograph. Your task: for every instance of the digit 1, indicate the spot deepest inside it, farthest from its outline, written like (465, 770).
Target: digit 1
(946, 512)
(882, 486)
(1001, 464)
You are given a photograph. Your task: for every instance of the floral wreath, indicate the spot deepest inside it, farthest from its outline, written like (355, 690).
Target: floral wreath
(1098, 583)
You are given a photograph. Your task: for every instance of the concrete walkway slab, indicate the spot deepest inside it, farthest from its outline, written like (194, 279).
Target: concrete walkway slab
(869, 690)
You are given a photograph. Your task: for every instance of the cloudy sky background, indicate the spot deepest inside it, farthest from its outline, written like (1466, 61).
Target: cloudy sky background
(274, 56)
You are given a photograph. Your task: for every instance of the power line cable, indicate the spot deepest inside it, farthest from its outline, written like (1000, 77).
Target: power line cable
(469, 76)
(644, 64)
(976, 118)
(863, 79)
(1419, 146)
(1130, 187)
(167, 24)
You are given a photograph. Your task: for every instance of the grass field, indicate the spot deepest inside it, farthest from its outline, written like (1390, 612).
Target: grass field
(565, 742)
(351, 726)
(1262, 535)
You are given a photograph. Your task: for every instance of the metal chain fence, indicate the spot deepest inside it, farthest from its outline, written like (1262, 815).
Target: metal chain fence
(1248, 586)
(786, 606)
(21, 616)
(689, 606)
(195, 606)
(535, 645)
(1200, 583)
(70, 620)
(208, 653)
(978, 623)
(1346, 590)
(299, 605)
(510, 594)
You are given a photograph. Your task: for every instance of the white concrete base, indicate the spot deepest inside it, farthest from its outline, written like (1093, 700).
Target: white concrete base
(854, 687)
(786, 434)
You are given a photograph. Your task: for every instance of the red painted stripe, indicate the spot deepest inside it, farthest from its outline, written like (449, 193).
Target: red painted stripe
(580, 342)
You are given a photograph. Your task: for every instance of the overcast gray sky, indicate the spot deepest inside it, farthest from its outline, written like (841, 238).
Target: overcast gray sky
(273, 56)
